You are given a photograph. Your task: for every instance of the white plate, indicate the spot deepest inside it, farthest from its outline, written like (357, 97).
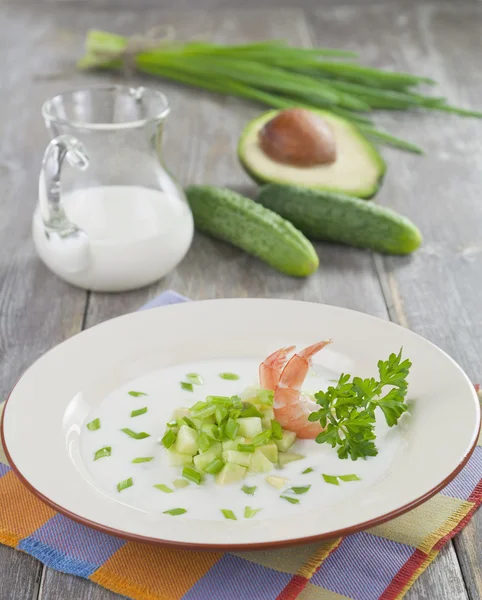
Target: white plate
(44, 421)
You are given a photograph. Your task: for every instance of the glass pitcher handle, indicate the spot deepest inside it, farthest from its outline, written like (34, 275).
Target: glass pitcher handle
(69, 244)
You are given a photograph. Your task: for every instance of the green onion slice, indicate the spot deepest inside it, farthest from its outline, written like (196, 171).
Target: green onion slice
(180, 483)
(249, 410)
(94, 425)
(136, 394)
(137, 436)
(250, 512)
(195, 378)
(221, 413)
(231, 428)
(290, 499)
(209, 410)
(331, 479)
(169, 438)
(187, 386)
(262, 438)
(214, 466)
(171, 423)
(246, 448)
(276, 430)
(203, 441)
(301, 489)
(192, 475)
(142, 459)
(308, 470)
(229, 376)
(198, 406)
(247, 489)
(163, 488)
(228, 514)
(139, 411)
(265, 397)
(351, 477)
(123, 485)
(219, 400)
(175, 511)
(103, 452)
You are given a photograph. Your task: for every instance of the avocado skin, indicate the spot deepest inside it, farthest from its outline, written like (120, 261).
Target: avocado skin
(259, 178)
(228, 216)
(327, 216)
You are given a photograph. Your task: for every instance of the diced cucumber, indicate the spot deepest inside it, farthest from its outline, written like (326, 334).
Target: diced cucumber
(259, 463)
(179, 413)
(249, 426)
(233, 444)
(268, 415)
(287, 457)
(215, 450)
(209, 429)
(179, 460)
(238, 458)
(202, 460)
(270, 451)
(180, 483)
(289, 438)
(230, 473)
(276, 482)
(186, 441)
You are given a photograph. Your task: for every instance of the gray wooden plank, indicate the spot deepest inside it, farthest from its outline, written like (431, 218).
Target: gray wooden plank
(435, 291)
(59, 586)
(20, 575)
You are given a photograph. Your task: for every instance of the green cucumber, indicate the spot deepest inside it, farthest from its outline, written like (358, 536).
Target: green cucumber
(228, 216)
(328, 216)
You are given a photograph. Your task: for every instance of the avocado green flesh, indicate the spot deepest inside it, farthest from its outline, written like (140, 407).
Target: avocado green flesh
(228, 216)
(357, 170)
(327, 216)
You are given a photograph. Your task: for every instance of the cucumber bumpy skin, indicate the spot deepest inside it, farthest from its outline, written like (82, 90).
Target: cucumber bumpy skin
(228, 216)
(327, 216)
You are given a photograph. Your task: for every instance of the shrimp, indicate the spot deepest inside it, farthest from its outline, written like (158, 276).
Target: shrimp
(291, 409)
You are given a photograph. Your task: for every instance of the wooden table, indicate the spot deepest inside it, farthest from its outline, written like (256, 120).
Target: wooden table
(437, 292)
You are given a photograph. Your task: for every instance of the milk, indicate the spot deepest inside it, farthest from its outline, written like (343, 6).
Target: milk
(133, 236)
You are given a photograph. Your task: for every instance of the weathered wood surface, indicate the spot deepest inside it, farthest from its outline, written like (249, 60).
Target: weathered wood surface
(434, 293)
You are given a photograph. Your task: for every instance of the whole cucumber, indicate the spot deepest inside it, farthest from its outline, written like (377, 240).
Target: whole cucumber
(226, 215)
(334, 217)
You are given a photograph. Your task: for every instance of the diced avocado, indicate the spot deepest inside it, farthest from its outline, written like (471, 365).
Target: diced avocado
(289, 438)
(270, 451)
(268, 416)
(186, 441)
(230, 473)
(239, 458)
(277, 482)
(287, 457)
(179, 460)
(259, 463)
(233, 444)
(357, 170)
(250, 426)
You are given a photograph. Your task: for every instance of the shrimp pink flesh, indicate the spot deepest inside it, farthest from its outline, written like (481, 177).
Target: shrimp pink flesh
(291, 409)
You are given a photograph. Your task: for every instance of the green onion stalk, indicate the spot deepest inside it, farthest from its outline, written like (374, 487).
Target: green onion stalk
(277, 75)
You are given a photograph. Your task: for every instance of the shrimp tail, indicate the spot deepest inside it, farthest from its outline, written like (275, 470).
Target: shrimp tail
(270, 369)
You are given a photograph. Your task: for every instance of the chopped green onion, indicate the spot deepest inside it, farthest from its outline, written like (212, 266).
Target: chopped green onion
(229, 376)
(246, 448)
(265, 397)
(136, 394)
(187, 386)
(250, 512)
(137, 436)
(277, 431)
(219, 400)
(221, 414)
(188, 422)
(139, 411)
(195, 378)
(209, 429)
(231, 428)
(103, 452)
(237, 403)
(206, 412)
(142, 459)
(262, 438)
(214, 466)
(198, 406)
(302, 489)
(351, 477)
(94, 425)
(171, 423)
(290, 499)
(175, 511)
(249, 410)
(247, 489)
(163, 488)
(169, 438)
(235, 414)
(123, 485)
(203, 441)
(180, 483)
(228, 514)
(308, 470)
(331, 479)
(192, 475)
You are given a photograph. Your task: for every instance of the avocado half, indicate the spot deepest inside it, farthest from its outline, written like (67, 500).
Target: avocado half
(358, 169)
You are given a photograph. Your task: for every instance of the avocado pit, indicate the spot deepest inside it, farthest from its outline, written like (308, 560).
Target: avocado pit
(298, 137)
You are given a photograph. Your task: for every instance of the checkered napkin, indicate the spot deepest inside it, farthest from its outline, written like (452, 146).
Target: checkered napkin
(378, 564)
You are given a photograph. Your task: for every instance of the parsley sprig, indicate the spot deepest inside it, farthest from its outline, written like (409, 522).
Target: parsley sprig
(347, 410)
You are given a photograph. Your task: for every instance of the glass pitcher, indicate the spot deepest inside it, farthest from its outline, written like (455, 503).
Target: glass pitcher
(110, 217)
